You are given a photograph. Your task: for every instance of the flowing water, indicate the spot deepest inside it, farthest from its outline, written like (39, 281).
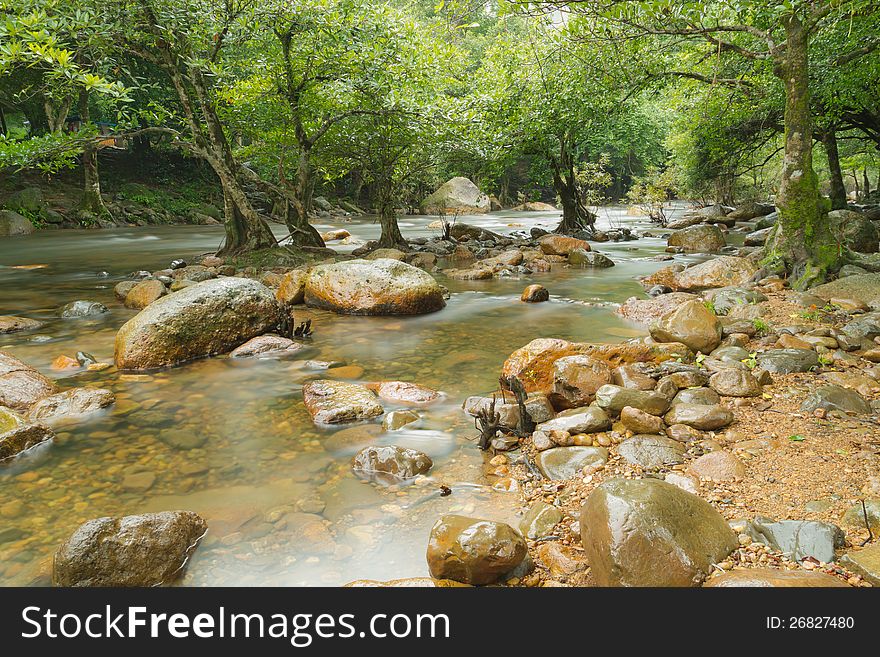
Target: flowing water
(231, 439)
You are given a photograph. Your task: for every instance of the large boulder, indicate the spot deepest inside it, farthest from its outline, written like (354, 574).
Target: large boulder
(698, 239)
(561, 245)
(21, 386)
(456, 196)
(145, 550)
(648, 532)
(647, 311)
(723, 271)
(692, 324)
(786, 361)
(751, 210)
(207, 318)
(17, 436)
(533, 363)
(337, 402)
(576, 380)
(76, 401)
(12, 223)
(860, 287)
(373, 287)
(473, 551)
(855, 230)
(566, 462)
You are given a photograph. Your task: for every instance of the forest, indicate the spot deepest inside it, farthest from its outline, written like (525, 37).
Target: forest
(440, 293)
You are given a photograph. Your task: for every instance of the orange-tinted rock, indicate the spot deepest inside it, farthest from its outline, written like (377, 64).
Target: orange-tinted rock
(535, 294)
(770, 578)
(292, 287)
(561, 245)
(404, 392)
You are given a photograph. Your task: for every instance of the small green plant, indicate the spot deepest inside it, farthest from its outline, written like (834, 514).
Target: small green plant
(710, 306)
(826, 359)
(797, 438)
(752, 361)
(761, 327)
(699, 359)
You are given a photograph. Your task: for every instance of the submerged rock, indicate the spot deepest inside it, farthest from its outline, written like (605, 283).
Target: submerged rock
(336, 402)
(473, 551)
(390, 463)
(204, 319)
(144, 550)
(404, 392)
(21, 386)
(373, 287)
(79, 309)
(648, 532)
(76, 401)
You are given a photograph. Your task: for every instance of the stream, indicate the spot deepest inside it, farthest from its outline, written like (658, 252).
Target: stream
(231, 439)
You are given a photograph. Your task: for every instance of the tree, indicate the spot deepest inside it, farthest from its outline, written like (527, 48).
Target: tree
(780, 34)
(558, 96)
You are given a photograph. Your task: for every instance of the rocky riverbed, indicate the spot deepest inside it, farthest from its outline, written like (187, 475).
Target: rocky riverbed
(739, 415)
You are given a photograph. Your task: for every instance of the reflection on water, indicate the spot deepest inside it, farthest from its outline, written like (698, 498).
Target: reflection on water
(232, 441)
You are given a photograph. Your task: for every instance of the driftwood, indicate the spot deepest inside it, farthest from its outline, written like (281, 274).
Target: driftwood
(487, 422)
(525, 425)
(287, 326)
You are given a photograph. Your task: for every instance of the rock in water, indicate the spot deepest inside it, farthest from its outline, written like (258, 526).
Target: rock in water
(373, 287)
(145, 550)
(77, 401)
(336, 402)
(207, 318)
(535, 294)
(21, 386)
(390, 463)
(647, 532)
(79, 309)
(266, 346)
(692, 324)
(12, 223)
(13, 324)
(473, 551)
(144, 293)
(17, 436)
(455, 196)
(698, 239)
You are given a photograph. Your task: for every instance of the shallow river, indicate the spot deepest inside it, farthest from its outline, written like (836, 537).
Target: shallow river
(232, 441)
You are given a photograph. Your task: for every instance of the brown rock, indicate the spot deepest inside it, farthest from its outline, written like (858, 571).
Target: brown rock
(473, 551)
(21, 386)
(404, 392)
(144, 293)
(292, 288)
(561, 245)
(718, 466)
(145, 550)
(13, 324)
(576, 380)
(640, 422)
(647, 532)
(76, 401)
(336, 402)
(535, 294)
(266, 345)
(692, 324)
(17, 436)
(771, 578)
(648, 311)
(390, 463)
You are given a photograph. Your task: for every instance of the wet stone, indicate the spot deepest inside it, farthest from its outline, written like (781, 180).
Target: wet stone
(473, 551)
(705, 417)
(773, 578)
(390, 463)
(336, 402)
(735, 383)
(706, 396)
(539, 520)
(80, 309)
(651, 452)
(588, 419)
(640, 422)
(613, 399)
(836, 398)
(786, 361)
(561, 463)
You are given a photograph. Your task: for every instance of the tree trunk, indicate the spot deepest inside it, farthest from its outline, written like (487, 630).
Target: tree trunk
(838, 189)
(3, 128)
(867, 183)
(575, 217)
(803, 243)
(91, 205)
(391, 237)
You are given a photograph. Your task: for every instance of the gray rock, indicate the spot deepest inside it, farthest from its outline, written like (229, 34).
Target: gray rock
(337, 402)
(566, 462)
(13, 224)
(836, 398)
(735, 383)
(539, 520)
(79, 309)
(704, 417)
(786, 361)
(651, 452)
(17, 436)
(698, 239)
(589, 419)
(613, 398)
(797, 539)
(390, 464)
(726, 298)
(21, 386)
(583, 258)
(705, 396)
(77, 401)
